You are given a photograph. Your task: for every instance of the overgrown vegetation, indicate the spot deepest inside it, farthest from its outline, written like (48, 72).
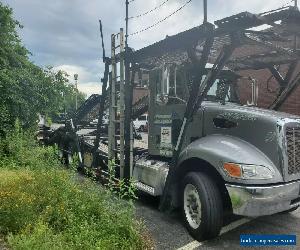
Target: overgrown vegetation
(122, 188)
(25, 88)
(45, 207)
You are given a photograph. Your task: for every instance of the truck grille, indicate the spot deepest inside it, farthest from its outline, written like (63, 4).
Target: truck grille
(293, 149)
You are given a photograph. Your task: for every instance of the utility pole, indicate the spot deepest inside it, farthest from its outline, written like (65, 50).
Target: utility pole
(76, 89)
(205, 10)
(128, 104)
(65, 111)
(295, 37)
(126, 25)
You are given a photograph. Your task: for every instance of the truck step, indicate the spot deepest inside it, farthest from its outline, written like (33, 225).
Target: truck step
(152, 174)
(145, 188)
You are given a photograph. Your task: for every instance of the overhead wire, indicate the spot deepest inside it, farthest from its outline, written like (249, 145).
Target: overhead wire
(162, 20)
(149, 11)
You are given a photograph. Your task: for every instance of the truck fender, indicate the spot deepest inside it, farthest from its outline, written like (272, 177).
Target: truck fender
(217, 149)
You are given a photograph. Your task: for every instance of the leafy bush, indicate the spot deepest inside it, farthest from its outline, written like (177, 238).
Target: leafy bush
(19, 150)
(122, 188)
(43, 206)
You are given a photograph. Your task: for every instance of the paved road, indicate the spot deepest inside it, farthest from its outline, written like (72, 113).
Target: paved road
(168, 232)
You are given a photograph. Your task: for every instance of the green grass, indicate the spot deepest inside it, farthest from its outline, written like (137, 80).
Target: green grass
(42, 206)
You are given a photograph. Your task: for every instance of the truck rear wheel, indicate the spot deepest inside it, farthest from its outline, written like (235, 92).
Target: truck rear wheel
(202, 207)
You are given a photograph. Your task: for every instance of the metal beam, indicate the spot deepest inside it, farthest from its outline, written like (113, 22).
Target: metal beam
(270, 45)
(129, 83)
(290, 72)
(122, 105)
(260, 61)
(286, 93)
(198, 72)
(104, 91)
(277, 75)
(286, 88)
(101, 113)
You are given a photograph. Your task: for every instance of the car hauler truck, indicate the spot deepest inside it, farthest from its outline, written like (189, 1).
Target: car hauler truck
(207, 153)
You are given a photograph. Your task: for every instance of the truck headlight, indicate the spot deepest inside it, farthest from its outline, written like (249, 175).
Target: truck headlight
(248, 172)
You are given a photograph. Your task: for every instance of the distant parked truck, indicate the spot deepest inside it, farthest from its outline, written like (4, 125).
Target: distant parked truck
(141, 123)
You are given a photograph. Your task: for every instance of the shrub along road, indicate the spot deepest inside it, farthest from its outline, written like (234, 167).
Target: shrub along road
(3, 245)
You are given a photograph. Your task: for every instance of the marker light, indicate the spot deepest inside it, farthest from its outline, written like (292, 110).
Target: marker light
(248, 172)
(234, 170)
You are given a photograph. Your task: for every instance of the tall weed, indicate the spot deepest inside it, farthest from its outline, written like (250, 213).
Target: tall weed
(42, 206)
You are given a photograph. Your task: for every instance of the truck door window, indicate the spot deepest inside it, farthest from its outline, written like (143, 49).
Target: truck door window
(169, 88)
(219, 91)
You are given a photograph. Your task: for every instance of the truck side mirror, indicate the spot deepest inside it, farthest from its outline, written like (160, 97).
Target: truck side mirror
(254, 92)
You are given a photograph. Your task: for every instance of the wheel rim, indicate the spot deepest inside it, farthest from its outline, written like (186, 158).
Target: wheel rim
(192, 206)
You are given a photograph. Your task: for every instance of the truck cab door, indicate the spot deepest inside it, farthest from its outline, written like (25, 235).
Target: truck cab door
(168, 94)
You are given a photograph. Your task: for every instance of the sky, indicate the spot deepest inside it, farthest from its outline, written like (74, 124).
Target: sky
(65, 33)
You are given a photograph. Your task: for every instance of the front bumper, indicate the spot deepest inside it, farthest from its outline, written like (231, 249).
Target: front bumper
(263, 200)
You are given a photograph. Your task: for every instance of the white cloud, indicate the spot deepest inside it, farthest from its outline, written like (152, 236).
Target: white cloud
(83, 73)
(84, 84)
(90, 88)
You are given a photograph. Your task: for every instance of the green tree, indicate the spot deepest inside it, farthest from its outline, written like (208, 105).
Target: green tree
(60, 92)
(25, 88)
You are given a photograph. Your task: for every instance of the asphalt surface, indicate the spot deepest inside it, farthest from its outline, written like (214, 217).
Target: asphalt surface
(168, 232)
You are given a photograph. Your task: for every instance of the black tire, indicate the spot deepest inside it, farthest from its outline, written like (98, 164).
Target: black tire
(211, 206)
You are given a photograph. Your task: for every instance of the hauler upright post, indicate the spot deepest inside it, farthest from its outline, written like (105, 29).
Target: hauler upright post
(117, 102)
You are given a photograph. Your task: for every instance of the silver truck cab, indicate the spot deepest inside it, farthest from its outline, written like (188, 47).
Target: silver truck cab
(247, 157)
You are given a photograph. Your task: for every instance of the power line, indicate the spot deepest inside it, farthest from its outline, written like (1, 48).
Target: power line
(149, 11)
(160, 21)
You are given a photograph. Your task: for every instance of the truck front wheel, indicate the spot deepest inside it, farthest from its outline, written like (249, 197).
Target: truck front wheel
(202, 207)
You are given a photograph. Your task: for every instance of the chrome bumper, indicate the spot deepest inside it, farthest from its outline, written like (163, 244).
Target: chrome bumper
(263, 200)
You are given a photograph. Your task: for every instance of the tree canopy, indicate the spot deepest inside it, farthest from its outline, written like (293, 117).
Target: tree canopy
(25, 88)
